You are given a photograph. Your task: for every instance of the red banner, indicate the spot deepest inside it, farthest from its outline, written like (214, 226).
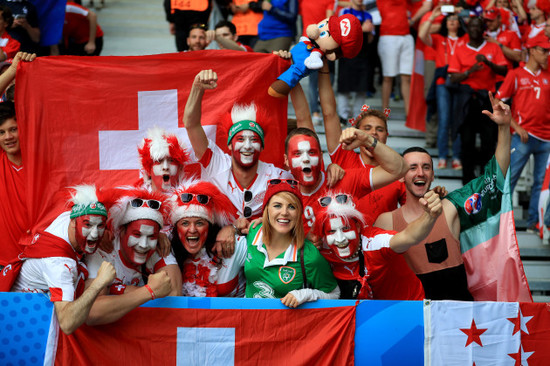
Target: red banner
(81, 118)
(149, 336)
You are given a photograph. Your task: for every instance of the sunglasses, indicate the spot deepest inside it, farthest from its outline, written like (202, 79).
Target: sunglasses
(247, 212)
(200, 198)
(340, 198)
(153, 204)
(291, 182)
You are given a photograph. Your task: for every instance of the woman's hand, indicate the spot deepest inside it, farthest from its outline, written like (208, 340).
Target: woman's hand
(290, 301)
(225, 242)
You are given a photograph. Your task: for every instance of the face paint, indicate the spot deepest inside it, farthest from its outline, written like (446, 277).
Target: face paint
(246, 147)
(192, 232)
(139, 240)
(304, 157)
(342, 239)
(89, 231)
(165, 174)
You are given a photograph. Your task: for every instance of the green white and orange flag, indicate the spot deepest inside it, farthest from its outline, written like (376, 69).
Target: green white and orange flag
(488, 239)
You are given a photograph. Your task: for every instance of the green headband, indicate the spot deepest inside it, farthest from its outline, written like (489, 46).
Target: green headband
(95, 208)
(245, 125)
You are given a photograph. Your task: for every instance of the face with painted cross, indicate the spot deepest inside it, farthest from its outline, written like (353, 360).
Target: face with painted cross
(342, 236)
(245, 147)
(165, 174)
(138, 240)
(89, 230)
(304, 159)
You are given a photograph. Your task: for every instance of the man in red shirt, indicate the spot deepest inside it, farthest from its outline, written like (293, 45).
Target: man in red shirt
(529, 86)
(82, 36)
(475, 65)
(395, 48)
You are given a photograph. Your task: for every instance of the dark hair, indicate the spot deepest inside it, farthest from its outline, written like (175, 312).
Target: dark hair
(7, 15)
(371, 113)
(420, 150)
(301, 131)
(182, 254)
(228, 24)
(197, 26)
(461, 29)
(7, 111)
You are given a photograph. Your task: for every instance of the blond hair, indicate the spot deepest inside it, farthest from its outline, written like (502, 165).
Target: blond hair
(297, 233)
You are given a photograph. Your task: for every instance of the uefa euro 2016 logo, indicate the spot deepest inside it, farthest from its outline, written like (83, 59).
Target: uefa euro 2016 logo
(473, 204)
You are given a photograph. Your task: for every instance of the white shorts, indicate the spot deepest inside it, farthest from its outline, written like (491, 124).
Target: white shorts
(396, 55)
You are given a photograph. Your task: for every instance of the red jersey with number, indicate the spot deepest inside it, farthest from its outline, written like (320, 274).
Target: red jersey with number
(395, 21)
(531, 100)
(356, 182)
(465, 58)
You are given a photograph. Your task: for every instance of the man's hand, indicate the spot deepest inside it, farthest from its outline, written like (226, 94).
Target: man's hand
(352, 138)
(160, 284)
(89, 48)
(206, 79)
(290, 301)
(106, 243)
(501, 112)
(163, 245)
(432, 204)
(210, 36)
(266, 5)
(225, 242)
(172, 28)
(105, 275)
(283, 54)
(481, 58)
(335, 173)
(317, 241)
(523, 135)
(242, 225)
(441, 191)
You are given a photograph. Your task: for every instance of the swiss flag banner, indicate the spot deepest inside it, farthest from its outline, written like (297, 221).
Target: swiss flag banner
(416, 119)
(81, 118)
(486, 333)
(149, 336)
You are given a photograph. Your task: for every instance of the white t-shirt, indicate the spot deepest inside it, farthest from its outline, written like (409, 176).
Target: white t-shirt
(218, 171)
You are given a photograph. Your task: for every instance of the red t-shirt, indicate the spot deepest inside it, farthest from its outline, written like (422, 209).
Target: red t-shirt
(383, 199)
(313, 11)
(531, 103)
(9, 45)
(394, 17)
(465, 58)
(445, 47)
(13, 209)
(511, 40)
(77, 26)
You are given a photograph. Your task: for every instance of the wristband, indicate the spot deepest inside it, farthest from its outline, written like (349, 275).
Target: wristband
(237, 231)
(373, 145)
(150, 291)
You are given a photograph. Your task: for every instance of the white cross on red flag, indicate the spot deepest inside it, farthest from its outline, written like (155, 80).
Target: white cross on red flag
(486, 333)
(81, 118)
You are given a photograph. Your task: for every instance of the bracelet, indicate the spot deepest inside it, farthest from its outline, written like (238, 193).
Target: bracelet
(373, 145)
(500, 45)
(323, 72)
(150, 291)
(237, 231)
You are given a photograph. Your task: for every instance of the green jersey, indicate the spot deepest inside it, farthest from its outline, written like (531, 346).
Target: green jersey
(275, 279)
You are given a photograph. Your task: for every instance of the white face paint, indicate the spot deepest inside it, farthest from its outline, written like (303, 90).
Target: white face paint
(305, 160)
(95, 229)
(339, 238)
(165, 173)
(247, 146)
(143, 244)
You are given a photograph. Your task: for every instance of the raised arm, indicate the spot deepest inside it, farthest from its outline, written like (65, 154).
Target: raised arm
(420, 228)
(71, 314)
(92, 21)
(392, 165)
(333, 130)
(9, 75)
(206, 79)
(301, 107)
(502, 117)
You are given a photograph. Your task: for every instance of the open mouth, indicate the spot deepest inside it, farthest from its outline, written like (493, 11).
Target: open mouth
(246, 153)
(419, 183)
(342, 245)
(306, 170)
(192, 240)
(166, 178)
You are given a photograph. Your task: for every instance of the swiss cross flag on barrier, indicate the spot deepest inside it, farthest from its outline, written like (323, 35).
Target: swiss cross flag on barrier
(81, 118)
(486, 333)
(150, 336)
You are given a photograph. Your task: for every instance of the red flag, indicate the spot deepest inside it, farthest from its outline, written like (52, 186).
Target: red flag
(416, 119)
(83, 117)
(543, 199)
(149, 336)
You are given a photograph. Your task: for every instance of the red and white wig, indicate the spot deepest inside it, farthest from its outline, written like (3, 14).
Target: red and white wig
(218, 210)
(346, 211)
(158, 145)
(128, 207)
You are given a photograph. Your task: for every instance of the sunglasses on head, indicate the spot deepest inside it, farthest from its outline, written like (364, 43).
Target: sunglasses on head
(340, 198)
(200, 198)
(138, 202)
(292, 182)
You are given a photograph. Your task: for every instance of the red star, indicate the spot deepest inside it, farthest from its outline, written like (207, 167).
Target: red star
(516, 357)
(517, 324)
(473, 334)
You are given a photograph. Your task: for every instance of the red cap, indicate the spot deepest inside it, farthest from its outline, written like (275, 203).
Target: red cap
(539, 40)
(275, 186)
(491, 14)
(347, 32)
(543, 5)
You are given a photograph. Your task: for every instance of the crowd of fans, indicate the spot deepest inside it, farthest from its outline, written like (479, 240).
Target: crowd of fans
(202, 222)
